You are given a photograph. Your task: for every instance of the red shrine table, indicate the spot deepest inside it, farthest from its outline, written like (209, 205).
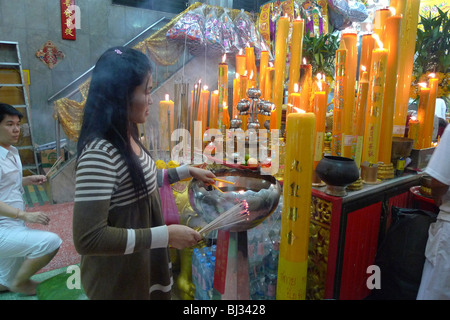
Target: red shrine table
(345, 233)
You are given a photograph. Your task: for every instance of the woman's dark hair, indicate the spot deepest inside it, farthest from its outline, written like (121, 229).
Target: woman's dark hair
(106, 113)
(6, 109)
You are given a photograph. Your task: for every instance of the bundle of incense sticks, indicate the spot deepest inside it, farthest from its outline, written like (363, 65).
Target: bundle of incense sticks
(54, 167)
(232, 216)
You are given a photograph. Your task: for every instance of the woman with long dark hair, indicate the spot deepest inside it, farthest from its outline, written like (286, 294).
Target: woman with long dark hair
(118, 226)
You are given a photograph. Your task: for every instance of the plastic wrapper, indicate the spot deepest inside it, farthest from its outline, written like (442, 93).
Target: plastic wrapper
(213, 29)
(190, 27)
(343, 14)
(246, 30)
(230, 39)
(314, 22)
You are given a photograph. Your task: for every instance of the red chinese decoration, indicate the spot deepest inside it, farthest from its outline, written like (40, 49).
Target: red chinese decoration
(68, 19)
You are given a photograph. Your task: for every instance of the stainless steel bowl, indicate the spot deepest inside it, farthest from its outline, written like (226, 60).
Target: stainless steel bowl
(262, 193)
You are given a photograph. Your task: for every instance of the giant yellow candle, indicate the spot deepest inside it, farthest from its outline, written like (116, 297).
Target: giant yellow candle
(263, 64)
(360, 115)
(223, 87)
(429, 116)
(165, 107)
(214, 110)
(387, 118)
(298, 26)
(293, 257)
(241, 63)
(281, 44)
(268, 87)
(349, 92)
(375, 105)
(424, 97)
(409, 9)
(367, 46)
(273, 118)
(341, 63)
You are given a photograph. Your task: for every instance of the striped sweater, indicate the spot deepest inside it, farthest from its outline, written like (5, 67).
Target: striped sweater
(120, 237)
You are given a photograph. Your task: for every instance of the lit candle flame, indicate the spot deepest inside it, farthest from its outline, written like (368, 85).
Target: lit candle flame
(271, 64)
(240, 52)
(167, 97)
(432, 75)
(319, 84)
(216, 92)
(296, 87)
(413, 118)
(298, 110)
(363, 68)
(237, 75)
(392, 9)
(224, 58)
(224, 104)
(377, 39)
(304, 60)
(251, 75)
(205, 87)
(423, 84)
(245, 73)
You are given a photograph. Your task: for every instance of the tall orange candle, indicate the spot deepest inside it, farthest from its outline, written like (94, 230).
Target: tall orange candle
(367, 46)
(305, 84)
(294, 99)
(413, 130)
(349, 92)
(263, 64)
(165, 107)
(341, 63)
(375, 105)
(320, 110)
(236, 94)
(281, 44)
(250, 61)
(360, 115)
(298, 26)
(273, 118)
(379, 26)
(241, 63)
(429, 116)
(226, 116)
(214, 110)
(409, 9)
(222, 86)
(424, 98)
(387, 119)
(293, 257)
(268, 87)
(203, 108)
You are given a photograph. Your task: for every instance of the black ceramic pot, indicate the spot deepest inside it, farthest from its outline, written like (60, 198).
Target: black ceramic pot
(337, 173)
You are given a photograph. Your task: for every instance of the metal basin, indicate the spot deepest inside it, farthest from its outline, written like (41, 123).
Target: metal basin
(262, 193)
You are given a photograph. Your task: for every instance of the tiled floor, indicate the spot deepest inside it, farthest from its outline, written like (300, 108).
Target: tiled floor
(61, 224)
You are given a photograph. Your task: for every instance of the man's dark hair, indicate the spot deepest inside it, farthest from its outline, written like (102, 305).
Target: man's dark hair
(7, 109)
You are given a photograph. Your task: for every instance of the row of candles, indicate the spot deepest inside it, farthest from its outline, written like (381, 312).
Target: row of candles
(365, 112)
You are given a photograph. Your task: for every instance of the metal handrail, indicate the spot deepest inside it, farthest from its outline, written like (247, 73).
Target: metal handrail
(54, 96)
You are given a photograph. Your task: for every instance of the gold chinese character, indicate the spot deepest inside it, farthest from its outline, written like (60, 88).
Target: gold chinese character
(296, 166)
(69, 32)
(292, 214)
(290, 237)
(294, 190)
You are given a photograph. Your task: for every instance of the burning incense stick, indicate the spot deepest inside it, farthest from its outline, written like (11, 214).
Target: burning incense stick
(234, 215)
(224, 181)
(54, 167)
